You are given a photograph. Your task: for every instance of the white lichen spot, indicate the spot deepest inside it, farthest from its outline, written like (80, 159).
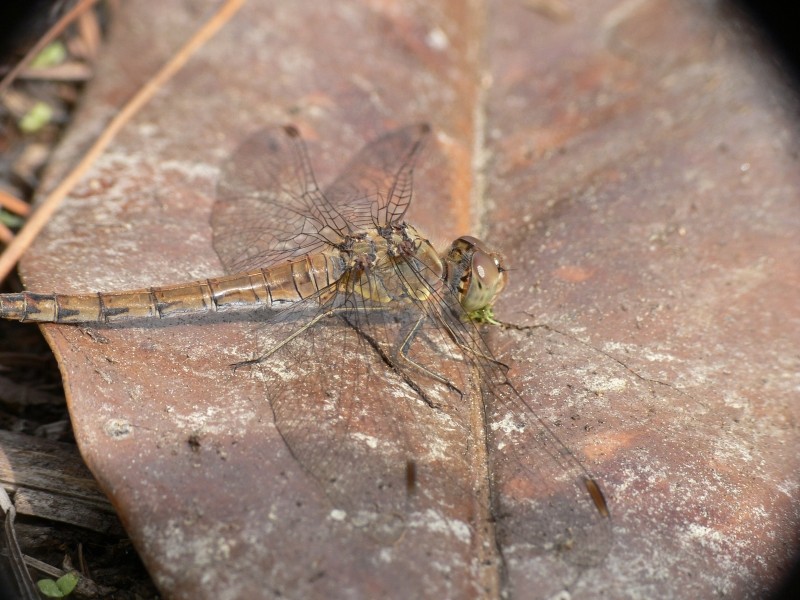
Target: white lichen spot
(619, 347)
(601, 385)
(369, 440)
(119, 429)
(707, 537)
(434, 522)
(385, 555)
(338, 514)
(437, 39)
(656, 356)
(508, 425)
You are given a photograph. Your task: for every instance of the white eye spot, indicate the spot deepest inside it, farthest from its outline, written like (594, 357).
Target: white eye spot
(481, 272)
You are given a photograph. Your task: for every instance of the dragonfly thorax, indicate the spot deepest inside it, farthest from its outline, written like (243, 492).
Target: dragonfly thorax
(391, 264)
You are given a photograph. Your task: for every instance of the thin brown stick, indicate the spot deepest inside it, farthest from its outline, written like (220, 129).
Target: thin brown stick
(66, 71)
(39, 218)
(6, 235)
(51, 34)
(13, 204)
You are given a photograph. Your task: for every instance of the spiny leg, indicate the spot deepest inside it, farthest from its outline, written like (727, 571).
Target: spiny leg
(282, 343)
(392, 361)
(328, 313)
(401, 352)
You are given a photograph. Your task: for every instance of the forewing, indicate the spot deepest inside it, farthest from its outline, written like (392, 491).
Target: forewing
(269, 207)
(544, 500)
(547, 508)
(375, 188)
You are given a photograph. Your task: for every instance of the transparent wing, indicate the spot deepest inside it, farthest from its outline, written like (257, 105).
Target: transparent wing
(544, 501)
(375, 188)
(354, 423)
(269, 207)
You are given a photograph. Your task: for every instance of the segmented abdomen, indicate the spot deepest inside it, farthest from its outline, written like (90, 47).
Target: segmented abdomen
(289, 282)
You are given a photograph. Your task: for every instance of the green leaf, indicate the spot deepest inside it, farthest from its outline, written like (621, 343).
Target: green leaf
(66, 583)
(52, 54)
(36, 118)
(61, 588)
(49, 588)
(11, 220)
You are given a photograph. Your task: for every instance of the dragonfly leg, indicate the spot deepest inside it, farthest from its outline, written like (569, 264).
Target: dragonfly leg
(282, 343)
(300, 331)
(401, 353)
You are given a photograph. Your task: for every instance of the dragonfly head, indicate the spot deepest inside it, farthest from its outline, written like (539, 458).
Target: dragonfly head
(475, 273)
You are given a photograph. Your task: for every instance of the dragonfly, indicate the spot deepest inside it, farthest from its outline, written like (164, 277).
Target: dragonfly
(339, 273)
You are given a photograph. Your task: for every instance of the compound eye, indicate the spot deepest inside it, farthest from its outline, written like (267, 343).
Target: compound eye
(488, 280)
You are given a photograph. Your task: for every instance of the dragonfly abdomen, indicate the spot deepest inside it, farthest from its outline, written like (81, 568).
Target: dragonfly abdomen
(289, 282)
